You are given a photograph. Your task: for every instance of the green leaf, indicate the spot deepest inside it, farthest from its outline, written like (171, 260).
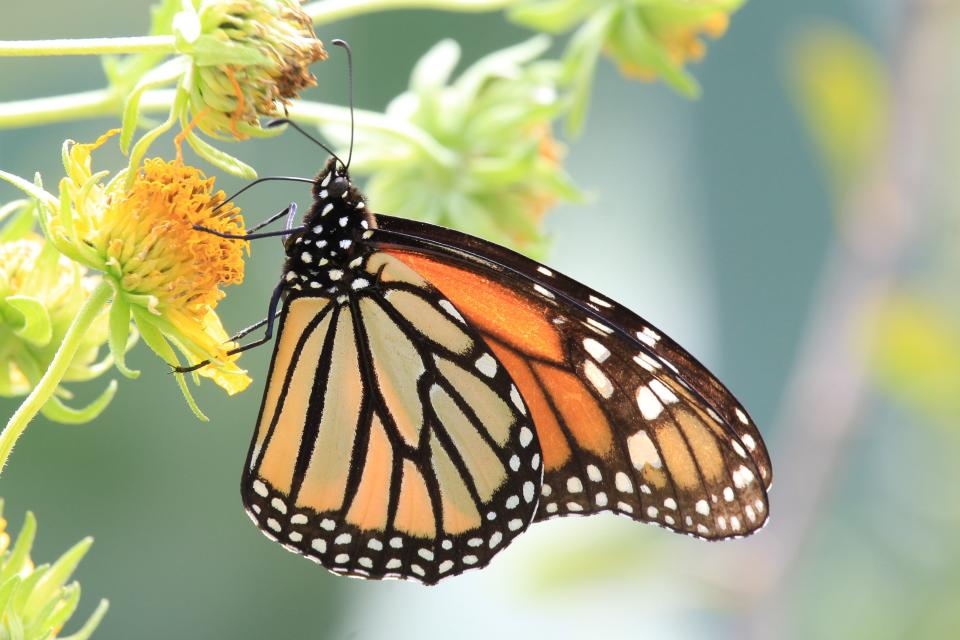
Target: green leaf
(580, 63)
(158, 343)
(66, 606)
(37, 328)
(29, 188)
(433, 70)
(59, 573)
(91, 624)
(55, 410)
(160, 76)
(119, 335)
(18, 218)
(20, 554)
(8, 588)
(220, 159)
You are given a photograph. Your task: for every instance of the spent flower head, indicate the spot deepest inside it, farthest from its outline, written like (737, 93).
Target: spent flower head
(36, 601)
(648, 39)
(41, 292)
(484, 159)
(238, 61)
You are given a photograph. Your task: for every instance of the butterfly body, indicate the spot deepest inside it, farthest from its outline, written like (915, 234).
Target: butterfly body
(431, 395)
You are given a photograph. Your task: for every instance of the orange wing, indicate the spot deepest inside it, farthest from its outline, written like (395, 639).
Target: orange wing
(627, 421)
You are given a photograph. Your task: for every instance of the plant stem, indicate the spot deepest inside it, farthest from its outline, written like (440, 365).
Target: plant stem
(326, 11)
(88, 46)
(55, 372)
(87, 104)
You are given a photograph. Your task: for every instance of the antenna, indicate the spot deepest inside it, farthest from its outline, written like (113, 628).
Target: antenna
(343, 43)
(288, 121)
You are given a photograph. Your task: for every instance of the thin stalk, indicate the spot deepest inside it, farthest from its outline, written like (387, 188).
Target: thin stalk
(44, 390)
(327, 11)
(88, 46)
(73, 106)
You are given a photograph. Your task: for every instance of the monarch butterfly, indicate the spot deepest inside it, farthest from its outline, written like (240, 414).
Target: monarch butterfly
(432, 394)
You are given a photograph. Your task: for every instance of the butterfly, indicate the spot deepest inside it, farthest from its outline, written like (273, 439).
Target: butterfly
(431, 395)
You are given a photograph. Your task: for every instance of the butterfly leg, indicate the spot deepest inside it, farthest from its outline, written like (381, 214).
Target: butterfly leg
(290, 211)
(267, 335)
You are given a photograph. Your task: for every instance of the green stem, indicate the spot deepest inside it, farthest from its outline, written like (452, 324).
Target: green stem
(326, 11)
(88, 46)
(55, 372)
(87, 104)
(319, 114)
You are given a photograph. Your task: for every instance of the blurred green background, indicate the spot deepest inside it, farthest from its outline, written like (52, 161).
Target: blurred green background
(807, 256)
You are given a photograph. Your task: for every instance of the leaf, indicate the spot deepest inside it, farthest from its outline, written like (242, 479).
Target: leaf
(20, 555)
(119, 335)
(220, 159)
(91, 624)
(37, 328)
(55, 410)
(59, 573)
(19, 219)
(156, 341)
(165, 74)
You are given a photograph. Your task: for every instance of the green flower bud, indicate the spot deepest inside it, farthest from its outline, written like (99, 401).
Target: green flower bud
(35, 601)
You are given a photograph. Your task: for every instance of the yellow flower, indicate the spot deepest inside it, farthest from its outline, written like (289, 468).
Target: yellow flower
(164, 273)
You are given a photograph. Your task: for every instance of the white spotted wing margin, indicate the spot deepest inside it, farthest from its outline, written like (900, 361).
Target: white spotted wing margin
(410, 456)
(686, 455)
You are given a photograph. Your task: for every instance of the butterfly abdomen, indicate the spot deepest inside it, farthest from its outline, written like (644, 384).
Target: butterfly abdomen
(327, 258)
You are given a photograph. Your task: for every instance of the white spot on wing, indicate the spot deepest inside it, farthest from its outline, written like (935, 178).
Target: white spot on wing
(487, 365)
(597, 378)
(449, 308)
(600, 301)
(650, 406)
(595, 349)
(663, 392)
(642, 451)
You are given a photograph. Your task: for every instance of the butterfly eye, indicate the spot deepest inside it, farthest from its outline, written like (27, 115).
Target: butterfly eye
(338, 186)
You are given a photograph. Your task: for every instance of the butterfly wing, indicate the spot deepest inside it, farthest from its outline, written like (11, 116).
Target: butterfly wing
(390, 442)
(628, 421)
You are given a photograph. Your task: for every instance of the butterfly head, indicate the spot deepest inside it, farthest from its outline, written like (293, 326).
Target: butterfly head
(331, 248)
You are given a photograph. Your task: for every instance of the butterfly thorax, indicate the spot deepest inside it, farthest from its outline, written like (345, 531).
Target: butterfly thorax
(327, 257)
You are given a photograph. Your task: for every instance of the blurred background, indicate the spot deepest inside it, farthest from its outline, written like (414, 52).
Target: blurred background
(796, 229)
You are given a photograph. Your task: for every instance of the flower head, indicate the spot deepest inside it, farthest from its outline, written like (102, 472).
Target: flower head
(481, 156)
(166, 274)
(39, 602)
(238, 61)
(250, 57)
(648, 40)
